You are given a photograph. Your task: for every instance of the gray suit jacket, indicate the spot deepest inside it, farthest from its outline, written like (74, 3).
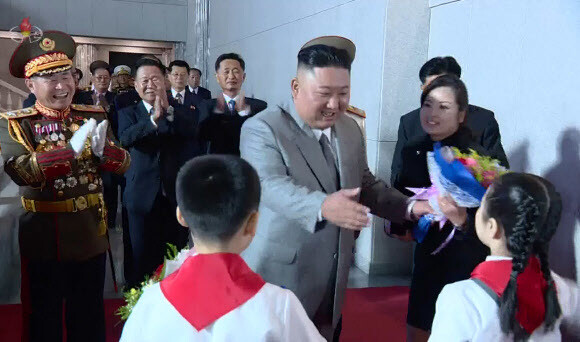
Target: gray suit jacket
(292, 248)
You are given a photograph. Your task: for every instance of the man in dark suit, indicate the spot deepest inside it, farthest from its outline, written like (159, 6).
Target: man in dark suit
(154, 132)
(180, 96)
(194, 87)
(224, 116)
(179, 93)
(479, 120)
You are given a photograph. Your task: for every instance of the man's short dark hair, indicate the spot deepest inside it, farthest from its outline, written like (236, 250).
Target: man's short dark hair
(439, 66)
(99, 65)
(149, 62)
(215, 194)
(79, 72)
(196, 69)
(322, 56)
(178, 63)
(230, 55)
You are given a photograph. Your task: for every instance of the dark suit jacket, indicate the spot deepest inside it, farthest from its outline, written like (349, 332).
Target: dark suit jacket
(221, 131)
(190, 100)
(193, 146)
(204, 93)
(86, 97)
(479, 120)
(126, 99)
(156, 154)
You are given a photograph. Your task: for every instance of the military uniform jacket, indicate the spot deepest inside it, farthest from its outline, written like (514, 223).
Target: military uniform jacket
(38, 157)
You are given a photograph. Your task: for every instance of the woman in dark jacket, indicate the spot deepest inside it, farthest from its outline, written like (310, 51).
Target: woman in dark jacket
(443, 109)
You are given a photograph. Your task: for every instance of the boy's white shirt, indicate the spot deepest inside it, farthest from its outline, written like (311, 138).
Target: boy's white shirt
(272, 314)
(465, 312)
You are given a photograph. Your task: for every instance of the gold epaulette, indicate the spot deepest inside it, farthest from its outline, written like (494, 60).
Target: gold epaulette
(356, 111)
(19, 113)
(87, 108)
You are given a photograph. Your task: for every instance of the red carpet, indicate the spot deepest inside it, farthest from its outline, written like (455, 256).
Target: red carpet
(370, 314)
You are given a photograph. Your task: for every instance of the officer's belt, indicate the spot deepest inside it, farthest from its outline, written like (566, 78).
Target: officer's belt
(70, 205)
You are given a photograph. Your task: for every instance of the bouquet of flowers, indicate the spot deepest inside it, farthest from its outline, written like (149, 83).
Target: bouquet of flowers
(173, 260)
(463, 176)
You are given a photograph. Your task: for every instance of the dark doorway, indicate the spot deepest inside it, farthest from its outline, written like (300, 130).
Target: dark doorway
(124, 58)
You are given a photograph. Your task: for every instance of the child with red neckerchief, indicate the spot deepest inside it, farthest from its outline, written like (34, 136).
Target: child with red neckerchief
(214, 295)
(512, 295)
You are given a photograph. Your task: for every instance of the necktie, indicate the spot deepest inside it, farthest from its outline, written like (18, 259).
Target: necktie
(179, 98)
(102, 101)
(232, 106)
(329, 156)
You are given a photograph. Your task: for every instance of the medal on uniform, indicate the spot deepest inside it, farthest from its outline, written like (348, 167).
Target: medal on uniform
(92, 187)
(59, 184)
(61, 136)
(54, 136)
(61, 143)
(71, 182)
(74, 127)
(83, 179)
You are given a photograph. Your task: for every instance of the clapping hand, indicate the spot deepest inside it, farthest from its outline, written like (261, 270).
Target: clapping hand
(342, 209)
(241, 103)
(78, 139)
(99, 138)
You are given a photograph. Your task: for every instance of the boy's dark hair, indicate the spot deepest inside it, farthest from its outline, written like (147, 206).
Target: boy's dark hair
(215, 194)
(439, 66)
(528, 208)
(452, 82)
(178, 63)
(98, 64)
(196, 69)
(323, 56)
(146, 61)
(230, 55)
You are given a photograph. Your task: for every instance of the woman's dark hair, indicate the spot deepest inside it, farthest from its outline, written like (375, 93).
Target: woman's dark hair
(528, 208)
(439, 66)
(452, 82)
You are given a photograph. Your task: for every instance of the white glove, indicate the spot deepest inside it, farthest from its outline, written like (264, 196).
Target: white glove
(77, 142)
(99, 138)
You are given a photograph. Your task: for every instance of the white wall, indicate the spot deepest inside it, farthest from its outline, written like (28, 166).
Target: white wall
(520, 59)
(268, 35)
(135, 19)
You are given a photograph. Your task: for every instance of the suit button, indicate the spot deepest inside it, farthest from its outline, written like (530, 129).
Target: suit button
(335, 255)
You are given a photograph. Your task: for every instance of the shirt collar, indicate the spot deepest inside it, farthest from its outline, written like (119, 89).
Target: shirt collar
(319, 132)
(228, 99)
(313, 132)
(175, 92)
(193, 90)
(147, 106)
(497, 258)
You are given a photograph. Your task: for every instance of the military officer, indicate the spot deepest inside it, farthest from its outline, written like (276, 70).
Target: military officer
(56, 151)
(122, 74)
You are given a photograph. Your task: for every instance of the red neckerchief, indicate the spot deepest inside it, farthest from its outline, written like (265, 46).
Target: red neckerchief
(531, 288)
(208, 286)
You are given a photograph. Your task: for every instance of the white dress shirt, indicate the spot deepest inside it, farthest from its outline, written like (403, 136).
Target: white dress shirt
(193, 90)
(244, 112)
(175, 92)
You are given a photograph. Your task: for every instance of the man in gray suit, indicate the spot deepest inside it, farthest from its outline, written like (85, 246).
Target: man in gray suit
(316, 185)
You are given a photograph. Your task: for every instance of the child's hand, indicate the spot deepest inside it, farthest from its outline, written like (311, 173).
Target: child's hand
(457, 215)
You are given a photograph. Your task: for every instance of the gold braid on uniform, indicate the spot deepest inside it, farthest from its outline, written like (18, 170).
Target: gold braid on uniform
(51, 113)
(48, 64)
